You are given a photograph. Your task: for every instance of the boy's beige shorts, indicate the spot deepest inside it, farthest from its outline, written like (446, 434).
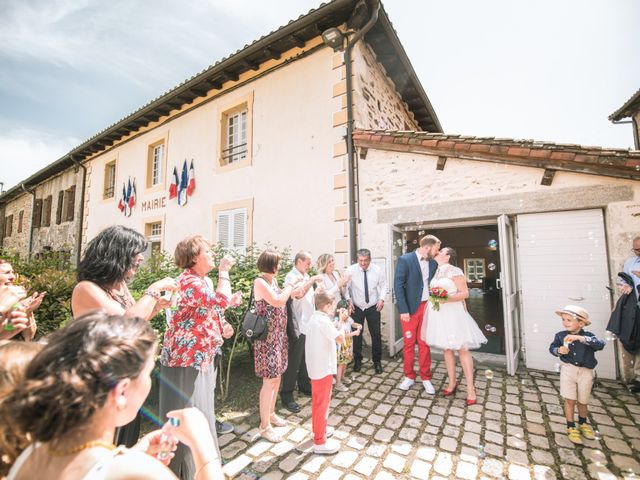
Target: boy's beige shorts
(576, 382)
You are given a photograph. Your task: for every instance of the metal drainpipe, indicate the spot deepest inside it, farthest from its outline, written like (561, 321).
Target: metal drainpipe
(81, 213)
(353, 220)
(33, 206)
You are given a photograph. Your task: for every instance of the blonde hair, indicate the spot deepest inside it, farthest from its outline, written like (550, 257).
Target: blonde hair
(324, 298)
(323, 261)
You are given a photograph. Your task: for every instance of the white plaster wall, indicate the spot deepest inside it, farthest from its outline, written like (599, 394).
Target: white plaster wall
(394, 179)
(290, 180)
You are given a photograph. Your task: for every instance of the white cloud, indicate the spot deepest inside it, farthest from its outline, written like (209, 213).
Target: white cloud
(23, 152)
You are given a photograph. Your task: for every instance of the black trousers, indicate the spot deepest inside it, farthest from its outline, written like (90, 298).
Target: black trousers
(373, 323)
(296, 370)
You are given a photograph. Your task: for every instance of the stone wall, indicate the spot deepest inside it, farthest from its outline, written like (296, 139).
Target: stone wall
(56, 236)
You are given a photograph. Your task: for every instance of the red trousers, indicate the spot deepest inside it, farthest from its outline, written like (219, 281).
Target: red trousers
(411, 334)
(320, 398)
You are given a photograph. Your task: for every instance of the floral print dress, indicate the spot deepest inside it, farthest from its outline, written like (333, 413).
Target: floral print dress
(271, 354)
(194, 336)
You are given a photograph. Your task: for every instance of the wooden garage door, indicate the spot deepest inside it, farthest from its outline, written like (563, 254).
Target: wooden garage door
(563, 260)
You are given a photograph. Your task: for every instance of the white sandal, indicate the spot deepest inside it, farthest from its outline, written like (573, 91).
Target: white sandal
(270, 435)
(278, 421)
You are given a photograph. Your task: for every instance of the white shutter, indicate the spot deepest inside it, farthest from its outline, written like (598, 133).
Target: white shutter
(240, 229)
(224, 219)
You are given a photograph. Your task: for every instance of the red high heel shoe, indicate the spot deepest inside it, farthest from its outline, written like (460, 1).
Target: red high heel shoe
(472, 401)
(448, 393)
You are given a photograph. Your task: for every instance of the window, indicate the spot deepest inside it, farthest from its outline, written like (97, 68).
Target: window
(236, 137)
(37, 213)
(46, 211)
(235, 134)
(20, 220)
(8, 226)
(155, 165)
(59, 207)
(69, 204)
(232, 229)
(153, 232)
(110, 180)
(474, 269)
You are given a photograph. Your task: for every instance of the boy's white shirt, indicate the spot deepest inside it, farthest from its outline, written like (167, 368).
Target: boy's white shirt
(320, 346)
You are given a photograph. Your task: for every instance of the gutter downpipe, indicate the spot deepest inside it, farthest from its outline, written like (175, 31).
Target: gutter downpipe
(353, 220)
(81, 213)
(33, 206)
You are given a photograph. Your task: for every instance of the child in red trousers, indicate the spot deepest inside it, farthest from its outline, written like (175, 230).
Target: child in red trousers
(321, 358)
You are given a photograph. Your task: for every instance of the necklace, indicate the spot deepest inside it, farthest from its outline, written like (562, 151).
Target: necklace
(79, 448)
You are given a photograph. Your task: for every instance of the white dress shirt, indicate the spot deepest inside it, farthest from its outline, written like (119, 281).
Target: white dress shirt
(424, 267)
(375, 280)
(302, 307)
(632, 264)
(320, 351)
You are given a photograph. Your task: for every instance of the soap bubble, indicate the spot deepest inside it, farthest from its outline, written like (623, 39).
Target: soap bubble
(609, 337)
(599, 457)
(415, 242)
(597, 434)
(399, 241)
(488, 374)
(421, 232)
(535, 328)
(481, 452)
(638, 168)
(556, 368)
(490, 328)
(493, 244)
(491, 266)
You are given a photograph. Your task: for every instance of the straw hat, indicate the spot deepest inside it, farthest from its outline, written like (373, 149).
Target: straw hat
(577, 312)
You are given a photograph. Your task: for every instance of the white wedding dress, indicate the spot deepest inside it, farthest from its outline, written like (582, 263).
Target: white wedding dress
(451, 327)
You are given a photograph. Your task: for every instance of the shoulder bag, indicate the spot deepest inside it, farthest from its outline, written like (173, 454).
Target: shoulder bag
(254, 326)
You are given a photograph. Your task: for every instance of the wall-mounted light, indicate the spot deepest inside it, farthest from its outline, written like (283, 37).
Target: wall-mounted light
(332, 37)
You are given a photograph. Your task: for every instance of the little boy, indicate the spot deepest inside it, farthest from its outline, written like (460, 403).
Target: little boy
(576, 348)
(321, 358)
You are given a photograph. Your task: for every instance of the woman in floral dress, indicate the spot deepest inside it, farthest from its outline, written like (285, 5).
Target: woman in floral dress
(270, 354)
(193, 338)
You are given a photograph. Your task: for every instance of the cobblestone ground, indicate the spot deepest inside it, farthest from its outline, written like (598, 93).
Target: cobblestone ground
(516, 431)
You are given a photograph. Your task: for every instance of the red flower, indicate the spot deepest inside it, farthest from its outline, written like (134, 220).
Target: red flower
(435, 295)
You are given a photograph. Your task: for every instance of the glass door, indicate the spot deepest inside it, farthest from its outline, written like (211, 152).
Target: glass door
(397, 248)
(509, 286)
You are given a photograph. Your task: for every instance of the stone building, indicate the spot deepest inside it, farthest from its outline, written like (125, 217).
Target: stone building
(536, 225)
(44, 212)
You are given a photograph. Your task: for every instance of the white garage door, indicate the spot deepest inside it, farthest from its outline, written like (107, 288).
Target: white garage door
(563, 260)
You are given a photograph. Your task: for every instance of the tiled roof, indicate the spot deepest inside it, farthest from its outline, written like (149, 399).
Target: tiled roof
(629, 108)
(613, 162)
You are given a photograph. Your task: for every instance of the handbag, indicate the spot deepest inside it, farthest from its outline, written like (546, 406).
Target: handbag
(254, 326)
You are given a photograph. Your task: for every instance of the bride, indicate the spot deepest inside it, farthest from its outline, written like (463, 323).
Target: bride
(450, 327)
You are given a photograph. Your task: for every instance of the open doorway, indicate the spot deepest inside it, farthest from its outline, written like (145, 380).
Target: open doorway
(479, 257)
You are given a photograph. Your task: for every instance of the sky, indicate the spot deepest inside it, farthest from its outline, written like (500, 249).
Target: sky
(549, 70)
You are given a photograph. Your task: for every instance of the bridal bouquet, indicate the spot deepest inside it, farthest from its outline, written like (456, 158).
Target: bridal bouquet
(436, 294)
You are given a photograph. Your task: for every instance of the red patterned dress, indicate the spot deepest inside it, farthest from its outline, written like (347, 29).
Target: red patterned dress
(271, 354)
(195, 334)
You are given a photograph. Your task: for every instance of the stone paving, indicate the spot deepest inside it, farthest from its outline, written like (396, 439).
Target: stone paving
(516, 431)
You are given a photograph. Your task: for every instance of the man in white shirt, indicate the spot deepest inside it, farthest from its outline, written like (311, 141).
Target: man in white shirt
(366, 294)
(302, 307)
(632, 268)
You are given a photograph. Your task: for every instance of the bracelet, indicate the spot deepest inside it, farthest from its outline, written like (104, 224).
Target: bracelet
(224, 278)
(152, 293)
(202, 468)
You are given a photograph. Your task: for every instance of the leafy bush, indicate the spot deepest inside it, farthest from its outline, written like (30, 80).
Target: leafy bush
(52, 274)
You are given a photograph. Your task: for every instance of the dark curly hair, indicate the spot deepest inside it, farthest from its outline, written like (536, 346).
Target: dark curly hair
(110, 255)
(73, 374)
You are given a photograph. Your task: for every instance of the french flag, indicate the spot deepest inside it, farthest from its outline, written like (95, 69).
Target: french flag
(132, 194)
(191, 185)
(122, 201)
(182, 189)
(173, 188)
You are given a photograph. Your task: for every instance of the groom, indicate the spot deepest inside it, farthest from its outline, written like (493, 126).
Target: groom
(414, 271)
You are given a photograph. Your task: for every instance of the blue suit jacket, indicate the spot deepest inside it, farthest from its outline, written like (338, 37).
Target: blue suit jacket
(408, 284)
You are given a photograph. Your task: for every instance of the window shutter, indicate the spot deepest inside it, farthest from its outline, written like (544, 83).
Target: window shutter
(239, 229)
(20, 219)
(59, 207)
(223, 229)
(9, 226)
(37, 213)
(46, 220)
(71, 204)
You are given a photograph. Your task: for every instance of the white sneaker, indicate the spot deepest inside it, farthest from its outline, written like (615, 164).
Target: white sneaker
(346, 380)
(341, 387)
(407, 383)
(327, 433)
(428, 387)
(327, 448)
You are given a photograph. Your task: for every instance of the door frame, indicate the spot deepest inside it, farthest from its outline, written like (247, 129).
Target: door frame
(395, 343)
